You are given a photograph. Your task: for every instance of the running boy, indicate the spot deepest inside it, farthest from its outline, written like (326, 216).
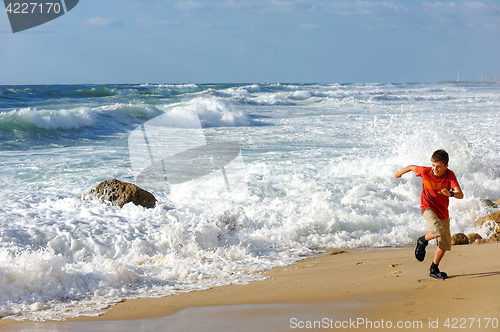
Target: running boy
(438, 184)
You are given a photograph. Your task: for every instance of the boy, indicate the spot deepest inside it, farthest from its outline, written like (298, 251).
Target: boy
(438, 184)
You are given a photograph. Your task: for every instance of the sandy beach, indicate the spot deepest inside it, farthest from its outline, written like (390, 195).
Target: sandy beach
(361, 290)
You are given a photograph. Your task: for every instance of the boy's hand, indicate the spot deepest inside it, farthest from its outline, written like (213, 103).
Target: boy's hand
(457, 192)
(444, 192)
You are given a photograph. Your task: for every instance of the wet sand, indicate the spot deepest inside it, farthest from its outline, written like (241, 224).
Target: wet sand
(362, 290)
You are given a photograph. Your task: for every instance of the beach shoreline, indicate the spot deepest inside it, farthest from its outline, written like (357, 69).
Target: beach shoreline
(315, 170)
(374, 286)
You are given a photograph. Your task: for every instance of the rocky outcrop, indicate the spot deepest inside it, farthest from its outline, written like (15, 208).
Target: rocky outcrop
(495, 217)
(459, 238)
(492, 222)
(494, 238)
(473, 237)
(119, 193)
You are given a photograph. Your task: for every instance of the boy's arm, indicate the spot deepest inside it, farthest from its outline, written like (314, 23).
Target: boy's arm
(405, 170)
(457, 192)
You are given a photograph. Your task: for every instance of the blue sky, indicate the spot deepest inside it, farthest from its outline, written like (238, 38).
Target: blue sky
(232, 41)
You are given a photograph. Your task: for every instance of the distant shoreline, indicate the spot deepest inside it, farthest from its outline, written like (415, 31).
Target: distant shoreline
(474, 82)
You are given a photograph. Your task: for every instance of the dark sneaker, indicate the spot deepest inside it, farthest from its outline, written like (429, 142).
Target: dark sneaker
(420, 249)
(435, 273)
(438, 275)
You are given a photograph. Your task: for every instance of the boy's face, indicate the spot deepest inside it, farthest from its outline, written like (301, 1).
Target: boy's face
(438, 168)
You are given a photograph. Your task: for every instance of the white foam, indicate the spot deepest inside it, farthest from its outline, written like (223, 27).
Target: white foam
(301, 95)
(47, 119)
(79, 117)
(212, 111)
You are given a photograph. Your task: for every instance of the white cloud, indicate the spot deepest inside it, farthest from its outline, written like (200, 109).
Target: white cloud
(279, 6)
(441, 11)
(103, 22)
(451, 8)
(236, 4)
(309, 26)
(472, 14)
(148, 22)
(358, 8)
(147, 6)
(188, 6)
(286, 6)
(475, 5)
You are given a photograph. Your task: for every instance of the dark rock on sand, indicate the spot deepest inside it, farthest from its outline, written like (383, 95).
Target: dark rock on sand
(459, 238)
(494, 238)
(473, 237)
(120, 193)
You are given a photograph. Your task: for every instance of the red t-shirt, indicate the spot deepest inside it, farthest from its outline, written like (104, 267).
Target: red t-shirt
(431, 185)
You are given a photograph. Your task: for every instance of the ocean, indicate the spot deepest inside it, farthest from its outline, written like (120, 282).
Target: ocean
(310, 168)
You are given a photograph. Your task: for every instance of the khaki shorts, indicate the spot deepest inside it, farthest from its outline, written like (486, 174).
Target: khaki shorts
(439, 227)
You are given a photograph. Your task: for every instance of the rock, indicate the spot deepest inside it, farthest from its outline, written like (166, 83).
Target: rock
(489, 203)
(494, 238)
(493, 217)
(459, 238)
(497, 230)
(473, 237)
(120, 193)
(498, 201)
(480, 241)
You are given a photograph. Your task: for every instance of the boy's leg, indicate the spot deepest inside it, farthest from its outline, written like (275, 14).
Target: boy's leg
(434, 270)
(422, 242)
(438, 255)
(439, 229)
(429, 236)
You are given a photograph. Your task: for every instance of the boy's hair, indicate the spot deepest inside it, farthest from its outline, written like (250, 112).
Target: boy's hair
(440, 156)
